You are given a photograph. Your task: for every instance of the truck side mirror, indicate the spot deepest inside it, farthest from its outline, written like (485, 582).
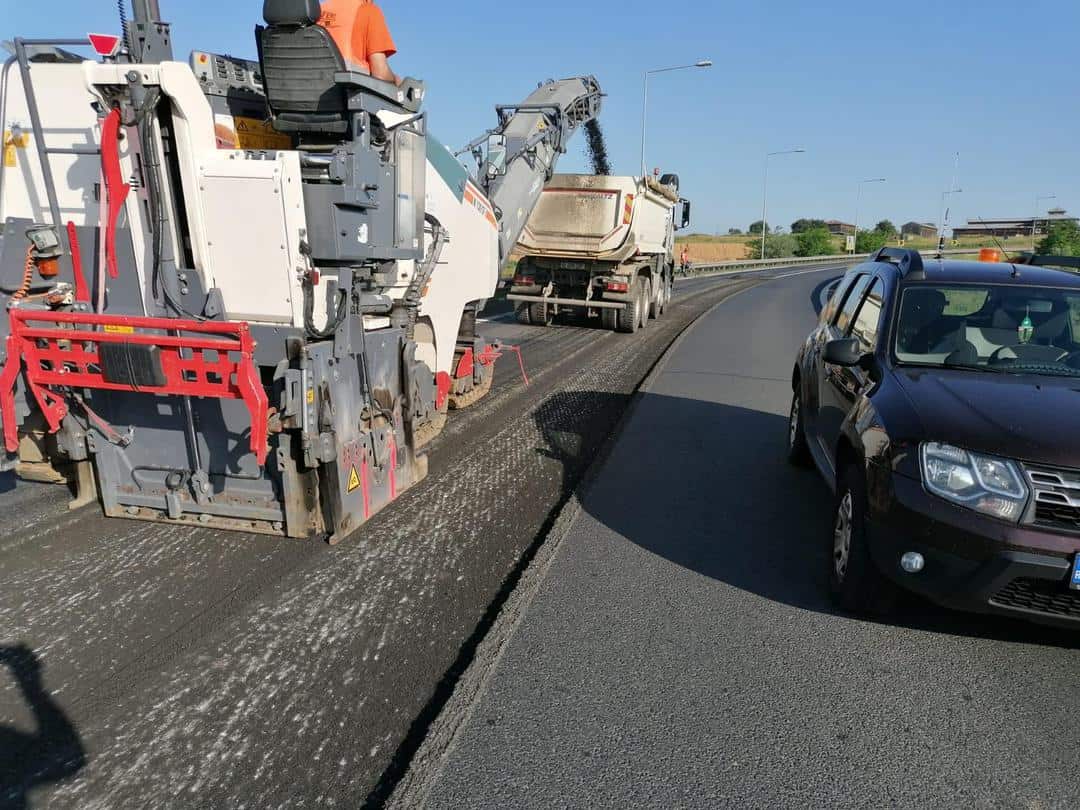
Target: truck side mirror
(496, 155)
(685, 214)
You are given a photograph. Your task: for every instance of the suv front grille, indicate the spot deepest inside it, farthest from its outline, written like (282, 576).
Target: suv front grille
(1057, 498)
(1039, 595)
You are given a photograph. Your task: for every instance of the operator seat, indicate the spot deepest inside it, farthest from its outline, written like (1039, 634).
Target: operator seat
(309, 89)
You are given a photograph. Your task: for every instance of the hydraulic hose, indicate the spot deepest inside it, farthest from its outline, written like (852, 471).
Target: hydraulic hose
(28, 276)
(414, 294)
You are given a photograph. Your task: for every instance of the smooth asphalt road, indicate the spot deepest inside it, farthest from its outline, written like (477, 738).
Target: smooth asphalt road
(156, 665)
(678, 648)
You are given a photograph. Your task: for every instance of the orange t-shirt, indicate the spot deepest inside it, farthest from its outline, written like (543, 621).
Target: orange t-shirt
(359, 29)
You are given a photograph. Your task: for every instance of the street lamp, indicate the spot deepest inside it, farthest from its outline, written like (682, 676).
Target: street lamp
(704, 63)
(1035, 222)
(858, 205)
(765, 193)
(945, 218)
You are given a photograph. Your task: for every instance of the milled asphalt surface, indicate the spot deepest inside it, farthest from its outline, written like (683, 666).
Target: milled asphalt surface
(169, 666)
(676, 647)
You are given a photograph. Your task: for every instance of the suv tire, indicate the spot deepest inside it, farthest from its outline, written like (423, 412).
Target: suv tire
(855, 583)
(798, 451)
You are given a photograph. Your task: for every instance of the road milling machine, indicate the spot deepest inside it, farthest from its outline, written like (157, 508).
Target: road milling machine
(244, 294)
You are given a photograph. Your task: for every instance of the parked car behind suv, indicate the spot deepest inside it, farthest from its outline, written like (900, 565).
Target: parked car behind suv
(941, 402)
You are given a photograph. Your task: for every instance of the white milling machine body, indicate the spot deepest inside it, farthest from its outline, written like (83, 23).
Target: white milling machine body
(254, 339)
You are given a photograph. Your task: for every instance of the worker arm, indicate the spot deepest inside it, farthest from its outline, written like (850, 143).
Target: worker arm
(380, 46)
(380, 68)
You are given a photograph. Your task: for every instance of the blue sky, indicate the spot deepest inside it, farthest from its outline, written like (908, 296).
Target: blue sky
(868, 89)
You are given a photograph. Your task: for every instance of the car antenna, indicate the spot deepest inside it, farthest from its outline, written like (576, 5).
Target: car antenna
(1015, 269)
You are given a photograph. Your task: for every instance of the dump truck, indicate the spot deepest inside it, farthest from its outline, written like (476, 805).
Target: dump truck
(602, 247)
(242, 293)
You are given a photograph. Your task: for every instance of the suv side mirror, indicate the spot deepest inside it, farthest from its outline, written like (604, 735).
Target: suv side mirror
(848, 353)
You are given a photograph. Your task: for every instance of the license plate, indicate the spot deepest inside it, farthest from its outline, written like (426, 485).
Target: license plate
(1074, 581)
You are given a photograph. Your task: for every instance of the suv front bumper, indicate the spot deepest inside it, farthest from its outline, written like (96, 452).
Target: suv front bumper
(973, 563)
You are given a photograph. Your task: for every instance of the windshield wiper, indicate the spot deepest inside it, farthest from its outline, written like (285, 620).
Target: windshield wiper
(970, 367)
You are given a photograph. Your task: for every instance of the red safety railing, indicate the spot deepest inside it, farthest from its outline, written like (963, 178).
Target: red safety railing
(59, 350)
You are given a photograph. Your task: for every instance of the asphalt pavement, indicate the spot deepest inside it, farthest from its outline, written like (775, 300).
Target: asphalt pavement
(673, 645)
(148, 664)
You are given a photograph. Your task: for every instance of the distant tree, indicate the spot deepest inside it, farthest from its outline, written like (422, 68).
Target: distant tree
(814, 242)
(1062, 240)
(871, 241)
(887, 228)
(804, 225)
(776, 247)
(734, 232)
(755, 227)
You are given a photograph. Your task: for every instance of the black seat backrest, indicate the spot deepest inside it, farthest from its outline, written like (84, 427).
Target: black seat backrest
(299, 61)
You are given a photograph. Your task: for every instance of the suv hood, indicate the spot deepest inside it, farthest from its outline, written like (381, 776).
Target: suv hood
(1022, 417)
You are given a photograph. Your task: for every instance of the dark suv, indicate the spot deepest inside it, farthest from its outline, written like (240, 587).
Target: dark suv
(941, 401)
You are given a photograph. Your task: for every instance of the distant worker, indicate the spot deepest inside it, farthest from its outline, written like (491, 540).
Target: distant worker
(684, 258)
(359, 29)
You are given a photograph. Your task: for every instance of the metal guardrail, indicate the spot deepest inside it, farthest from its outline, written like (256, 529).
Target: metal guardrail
(750, 265)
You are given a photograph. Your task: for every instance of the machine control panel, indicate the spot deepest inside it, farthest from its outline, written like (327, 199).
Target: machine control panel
(222, 75)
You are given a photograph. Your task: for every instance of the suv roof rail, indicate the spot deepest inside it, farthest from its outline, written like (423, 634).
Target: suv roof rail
(1054, 262)
(909, 261)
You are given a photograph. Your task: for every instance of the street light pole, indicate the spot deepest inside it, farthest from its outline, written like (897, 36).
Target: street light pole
(945, 218)
(1035, 222)
(765, 193)
(858, 205)
(704, 63)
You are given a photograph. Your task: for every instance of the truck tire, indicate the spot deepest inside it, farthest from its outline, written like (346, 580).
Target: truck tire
(523, 315)
(609, 319)
(541, 314)
(646, 301)
(630, 318)
(657, 307)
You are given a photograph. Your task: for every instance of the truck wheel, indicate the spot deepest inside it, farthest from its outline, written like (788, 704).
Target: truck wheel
(541, 314)
(523, 315)
(646, 301)
(631, 317)
(657, 308)
(609, 319)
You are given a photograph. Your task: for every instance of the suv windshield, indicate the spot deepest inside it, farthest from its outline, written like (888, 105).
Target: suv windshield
(1000, 328)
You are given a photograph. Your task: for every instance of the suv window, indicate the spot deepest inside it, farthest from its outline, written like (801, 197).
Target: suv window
(851, 304)
(839, 290)
(866, 323)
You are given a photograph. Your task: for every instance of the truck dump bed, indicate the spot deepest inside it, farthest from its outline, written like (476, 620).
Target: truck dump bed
(608, 218)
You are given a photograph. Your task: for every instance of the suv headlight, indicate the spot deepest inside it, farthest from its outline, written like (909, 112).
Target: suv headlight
(993, 486)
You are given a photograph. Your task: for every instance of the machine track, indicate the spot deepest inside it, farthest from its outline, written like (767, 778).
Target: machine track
(214, 668)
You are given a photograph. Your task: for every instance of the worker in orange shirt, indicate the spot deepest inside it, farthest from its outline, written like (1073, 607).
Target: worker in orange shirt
(359, 29)
(685, 258)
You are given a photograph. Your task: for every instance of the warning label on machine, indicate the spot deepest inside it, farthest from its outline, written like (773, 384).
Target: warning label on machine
(354, 479)
(237, 132)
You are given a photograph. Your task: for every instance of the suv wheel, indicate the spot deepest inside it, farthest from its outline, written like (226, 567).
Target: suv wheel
(798, 451)
(855, 583)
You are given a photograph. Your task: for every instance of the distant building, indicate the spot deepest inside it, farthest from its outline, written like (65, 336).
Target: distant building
(838, 228)
(1006, 228)
(919, 230)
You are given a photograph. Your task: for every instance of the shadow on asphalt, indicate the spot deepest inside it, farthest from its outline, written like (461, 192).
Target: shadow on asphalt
(720, 500)
(7, 482)
(52, 753)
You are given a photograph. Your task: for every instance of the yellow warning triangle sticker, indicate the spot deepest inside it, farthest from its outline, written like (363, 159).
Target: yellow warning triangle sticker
(354, 480)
